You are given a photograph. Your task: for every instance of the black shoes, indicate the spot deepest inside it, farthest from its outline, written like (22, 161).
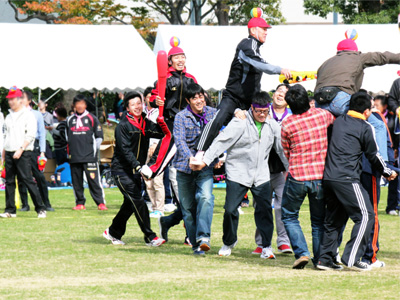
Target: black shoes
(25, 208)
(49, 208)
(328, 266)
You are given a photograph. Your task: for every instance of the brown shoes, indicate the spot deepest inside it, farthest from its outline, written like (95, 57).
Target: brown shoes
(301, 262)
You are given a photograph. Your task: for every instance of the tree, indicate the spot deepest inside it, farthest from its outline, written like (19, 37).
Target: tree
(356, 11)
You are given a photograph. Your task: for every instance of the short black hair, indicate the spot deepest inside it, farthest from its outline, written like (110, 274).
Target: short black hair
(383, 99)
(61, 112)
(261, 98)
(360, 101)
(297, 99)
(78, 98)
(147, 91)
(283, 84)
(29, 95)
(129, 96)
(192, 90)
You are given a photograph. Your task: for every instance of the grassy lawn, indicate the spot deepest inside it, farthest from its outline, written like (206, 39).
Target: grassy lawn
(65, 256)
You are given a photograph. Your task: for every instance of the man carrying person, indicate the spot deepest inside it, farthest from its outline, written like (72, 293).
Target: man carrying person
(305, 143)
(39, 149)
(132, 137)
(248, 144)
(243, 82)
(19, 131)
(345, 196)
(84, 136)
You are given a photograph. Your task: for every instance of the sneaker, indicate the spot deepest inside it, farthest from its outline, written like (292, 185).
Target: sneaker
(337, 260)
(49, 208)
(204, 245)
(378, 264)
(187, 241)
(163, 229)
(102, 206)
(241, 212)
(285, 249)
(156, 242)
(267, 253)
(301, 262)
(156, 214)
(244, 204)
(42, 214)
(360, 266)
(257, 251)
(79, 207)
(113, 240)
(25, 208)
(328, 266)
(149, 206)
(226, 250)
(198, 252)
(392, 213)
(8, 215)
(170, 207)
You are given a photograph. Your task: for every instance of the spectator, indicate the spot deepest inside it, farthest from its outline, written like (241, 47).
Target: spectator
(59, 136)
(305, 142)
(47, 117)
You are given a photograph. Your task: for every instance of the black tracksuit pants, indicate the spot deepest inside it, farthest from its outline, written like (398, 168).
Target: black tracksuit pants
(393, 197)
(94, 181)
(344, 200)
(22, 168)
(130, 187)
(40, 180)
(225, 113)
(262, 212)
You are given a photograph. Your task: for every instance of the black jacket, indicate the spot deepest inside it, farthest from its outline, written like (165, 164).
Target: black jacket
(246, 71)
(132, 144)
(351, 137)
(394, 96)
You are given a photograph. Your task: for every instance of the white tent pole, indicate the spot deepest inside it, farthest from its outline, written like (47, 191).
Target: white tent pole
(52, 95)
(40, 92)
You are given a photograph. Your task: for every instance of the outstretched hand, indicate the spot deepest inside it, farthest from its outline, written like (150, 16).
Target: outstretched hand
(287, 73)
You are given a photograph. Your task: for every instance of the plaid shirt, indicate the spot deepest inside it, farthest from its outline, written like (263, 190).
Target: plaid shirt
(305, 143)
(186, 131)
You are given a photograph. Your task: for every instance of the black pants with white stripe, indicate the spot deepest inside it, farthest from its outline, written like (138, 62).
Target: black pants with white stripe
(130, 187)
(92, 173)
(346, 200)
(223, 116)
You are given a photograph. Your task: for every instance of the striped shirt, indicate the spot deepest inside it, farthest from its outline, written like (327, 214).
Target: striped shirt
(305, 143)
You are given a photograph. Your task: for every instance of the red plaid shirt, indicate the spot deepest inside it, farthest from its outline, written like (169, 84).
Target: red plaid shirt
(305, 143)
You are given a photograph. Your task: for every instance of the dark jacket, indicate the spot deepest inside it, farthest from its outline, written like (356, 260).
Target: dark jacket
(345, 70)
(60, 141)
(132, 144)
(351, 137)
(175, 92)
(246, 71)
(394, 96)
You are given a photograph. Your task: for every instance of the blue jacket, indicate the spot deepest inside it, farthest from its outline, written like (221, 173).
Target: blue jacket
(41, 131)
(186, 131)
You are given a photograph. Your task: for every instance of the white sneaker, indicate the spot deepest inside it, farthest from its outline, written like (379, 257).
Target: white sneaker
(392, 213)
(149, 206)
(156, 242)
(8, 215)
(226, 250)
(156, 214)
(41, 214)
(170, 207)
(113, 240)
(378, 264)
(267, 253)
(241, 212)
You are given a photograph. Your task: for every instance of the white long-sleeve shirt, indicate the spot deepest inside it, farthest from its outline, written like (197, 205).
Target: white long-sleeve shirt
(19, 127)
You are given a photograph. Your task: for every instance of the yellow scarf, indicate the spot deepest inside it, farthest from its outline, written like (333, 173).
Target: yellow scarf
(354, 114)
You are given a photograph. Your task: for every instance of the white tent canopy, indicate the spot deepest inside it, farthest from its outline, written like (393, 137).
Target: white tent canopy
(210, 50)
(79, 57)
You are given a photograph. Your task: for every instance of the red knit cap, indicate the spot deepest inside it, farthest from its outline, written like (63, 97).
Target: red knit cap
(347, 45)
(14, 92)
(258, 22)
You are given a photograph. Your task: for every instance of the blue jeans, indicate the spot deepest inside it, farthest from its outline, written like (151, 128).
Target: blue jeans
(293, 196)
(338, 106)
(197, 203)
(380, 135)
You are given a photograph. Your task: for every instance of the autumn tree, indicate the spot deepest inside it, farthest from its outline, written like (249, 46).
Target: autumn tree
(356, 11)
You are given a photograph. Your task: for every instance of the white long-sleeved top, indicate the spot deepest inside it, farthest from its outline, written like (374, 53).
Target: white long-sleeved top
(19, 127)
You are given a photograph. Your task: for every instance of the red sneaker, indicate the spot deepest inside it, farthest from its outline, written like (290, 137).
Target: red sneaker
(258, 251)
(102, 206)
(79, 207)
(156, 242)
(285, 249)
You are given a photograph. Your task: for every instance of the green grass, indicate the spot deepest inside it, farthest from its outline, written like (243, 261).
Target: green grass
(65, 256)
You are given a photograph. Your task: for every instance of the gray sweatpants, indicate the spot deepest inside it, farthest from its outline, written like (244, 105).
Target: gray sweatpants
(277, 182)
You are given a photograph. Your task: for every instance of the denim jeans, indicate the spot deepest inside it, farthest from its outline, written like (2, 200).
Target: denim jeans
(197, 203)
(338, 106)
(380, 135)
(293, 196)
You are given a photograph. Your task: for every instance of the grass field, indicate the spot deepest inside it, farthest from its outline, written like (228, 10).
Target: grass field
(65, 256)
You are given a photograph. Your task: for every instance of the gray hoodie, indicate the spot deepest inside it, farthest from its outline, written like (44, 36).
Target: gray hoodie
(247, 154)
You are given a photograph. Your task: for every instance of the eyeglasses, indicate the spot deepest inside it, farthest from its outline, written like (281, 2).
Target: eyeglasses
(261, 111)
